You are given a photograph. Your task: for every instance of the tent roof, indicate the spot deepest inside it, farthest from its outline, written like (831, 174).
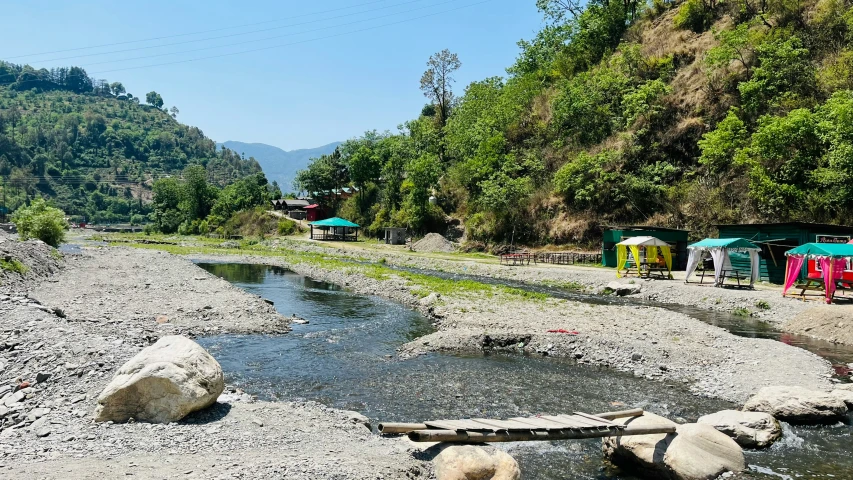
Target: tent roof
(644, 242)
(833, 250)
(334, 222)
(724, 243)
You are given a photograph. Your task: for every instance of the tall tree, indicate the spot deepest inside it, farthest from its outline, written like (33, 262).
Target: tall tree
(436, 82)
(153, 98)
(117, 88)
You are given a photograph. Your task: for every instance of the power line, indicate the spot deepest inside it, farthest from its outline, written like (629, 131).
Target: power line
(293, 43)
(269, 47)
(192, 33)
(245, 33)
(267, 38)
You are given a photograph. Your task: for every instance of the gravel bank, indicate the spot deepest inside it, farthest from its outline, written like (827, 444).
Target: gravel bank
(833, 323)
(765, 302)
(59, 348)
(649, 342)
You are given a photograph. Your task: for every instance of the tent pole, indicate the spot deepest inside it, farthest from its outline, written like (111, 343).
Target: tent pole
(829, 294)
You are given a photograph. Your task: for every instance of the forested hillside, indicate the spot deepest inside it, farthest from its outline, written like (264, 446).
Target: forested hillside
(94, 149)
(678, 114)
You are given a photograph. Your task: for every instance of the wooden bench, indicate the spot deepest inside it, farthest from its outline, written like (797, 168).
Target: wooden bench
(735, 274)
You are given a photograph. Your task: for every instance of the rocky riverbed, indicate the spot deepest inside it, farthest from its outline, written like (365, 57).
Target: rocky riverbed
(63, 336)
(649, 342)
(68, 326)
(765, 302)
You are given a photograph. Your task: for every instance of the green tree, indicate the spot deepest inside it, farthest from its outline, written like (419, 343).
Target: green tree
(117, 88)
(154, 99)
(437, 80)
(41, 221)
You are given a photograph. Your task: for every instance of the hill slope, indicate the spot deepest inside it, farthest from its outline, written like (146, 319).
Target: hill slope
(93, 148)
(681, 114)
(279, 165)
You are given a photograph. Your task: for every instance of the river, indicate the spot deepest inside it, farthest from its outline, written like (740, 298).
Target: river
(345, 359)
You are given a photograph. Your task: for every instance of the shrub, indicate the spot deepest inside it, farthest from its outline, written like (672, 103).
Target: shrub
(693, 15)
(13, 265)
(286, 227)
(42, 222)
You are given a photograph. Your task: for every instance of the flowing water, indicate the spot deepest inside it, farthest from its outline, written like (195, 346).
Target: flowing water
(345, 358)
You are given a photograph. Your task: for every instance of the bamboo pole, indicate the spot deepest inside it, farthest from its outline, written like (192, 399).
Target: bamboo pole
(400, 427)
(492, 437)
(391, 428)
(634, 412)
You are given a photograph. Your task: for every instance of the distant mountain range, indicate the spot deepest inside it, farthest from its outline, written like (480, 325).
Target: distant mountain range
(279, 165)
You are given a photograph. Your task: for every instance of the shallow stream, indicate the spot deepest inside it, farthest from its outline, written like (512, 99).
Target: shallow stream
(345, 358)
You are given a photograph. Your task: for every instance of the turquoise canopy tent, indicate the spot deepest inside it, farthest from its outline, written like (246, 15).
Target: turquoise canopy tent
(833, 259)
(334, 229)
(719, 249)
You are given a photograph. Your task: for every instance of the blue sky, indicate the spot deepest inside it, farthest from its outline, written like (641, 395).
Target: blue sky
(296, 96)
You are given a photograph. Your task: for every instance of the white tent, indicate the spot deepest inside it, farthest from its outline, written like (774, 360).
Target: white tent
(634, 244)
(719, 249)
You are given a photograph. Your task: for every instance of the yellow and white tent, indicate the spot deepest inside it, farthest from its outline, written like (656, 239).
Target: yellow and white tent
(651, 246)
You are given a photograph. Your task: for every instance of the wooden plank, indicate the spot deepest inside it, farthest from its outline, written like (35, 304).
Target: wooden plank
(603, 421)
(586, 423)
(597, 419)
(538, 422)
(476, 437)
(447, 424)
(562, 421)
(503, 424)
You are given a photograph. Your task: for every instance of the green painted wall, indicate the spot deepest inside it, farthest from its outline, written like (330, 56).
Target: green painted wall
(775, 240)
(674, 237)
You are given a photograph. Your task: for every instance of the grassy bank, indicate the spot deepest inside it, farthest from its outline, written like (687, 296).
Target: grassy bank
(420, 284)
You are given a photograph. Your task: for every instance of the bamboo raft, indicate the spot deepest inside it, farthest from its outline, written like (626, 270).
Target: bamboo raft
(578, 425)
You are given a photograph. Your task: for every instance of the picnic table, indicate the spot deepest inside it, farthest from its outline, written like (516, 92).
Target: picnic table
(816, 284)
(647, 269)
(732, 274)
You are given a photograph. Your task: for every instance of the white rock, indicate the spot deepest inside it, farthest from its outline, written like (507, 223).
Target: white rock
(700, 452)
(162, 383)
(748, 429)
(797, 405)
(845, 395)
(694, 452)
(467, 462)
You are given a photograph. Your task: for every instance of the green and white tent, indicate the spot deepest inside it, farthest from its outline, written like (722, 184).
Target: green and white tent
(719, 249)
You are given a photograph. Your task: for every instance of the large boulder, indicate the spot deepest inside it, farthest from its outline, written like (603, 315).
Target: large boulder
(694, 452)
(748, 429)
(162, 383)
(468, 462)
(700, 452)
(797, 405)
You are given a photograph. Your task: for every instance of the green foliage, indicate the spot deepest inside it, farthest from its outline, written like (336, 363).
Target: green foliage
(41, 221)
(719, 146)
(784, 77)
(645, 101)
(695, 15)
(91, 148)
(13, 265)
(287, 227)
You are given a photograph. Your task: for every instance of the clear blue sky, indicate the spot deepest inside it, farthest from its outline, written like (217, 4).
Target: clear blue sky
(296, 96)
